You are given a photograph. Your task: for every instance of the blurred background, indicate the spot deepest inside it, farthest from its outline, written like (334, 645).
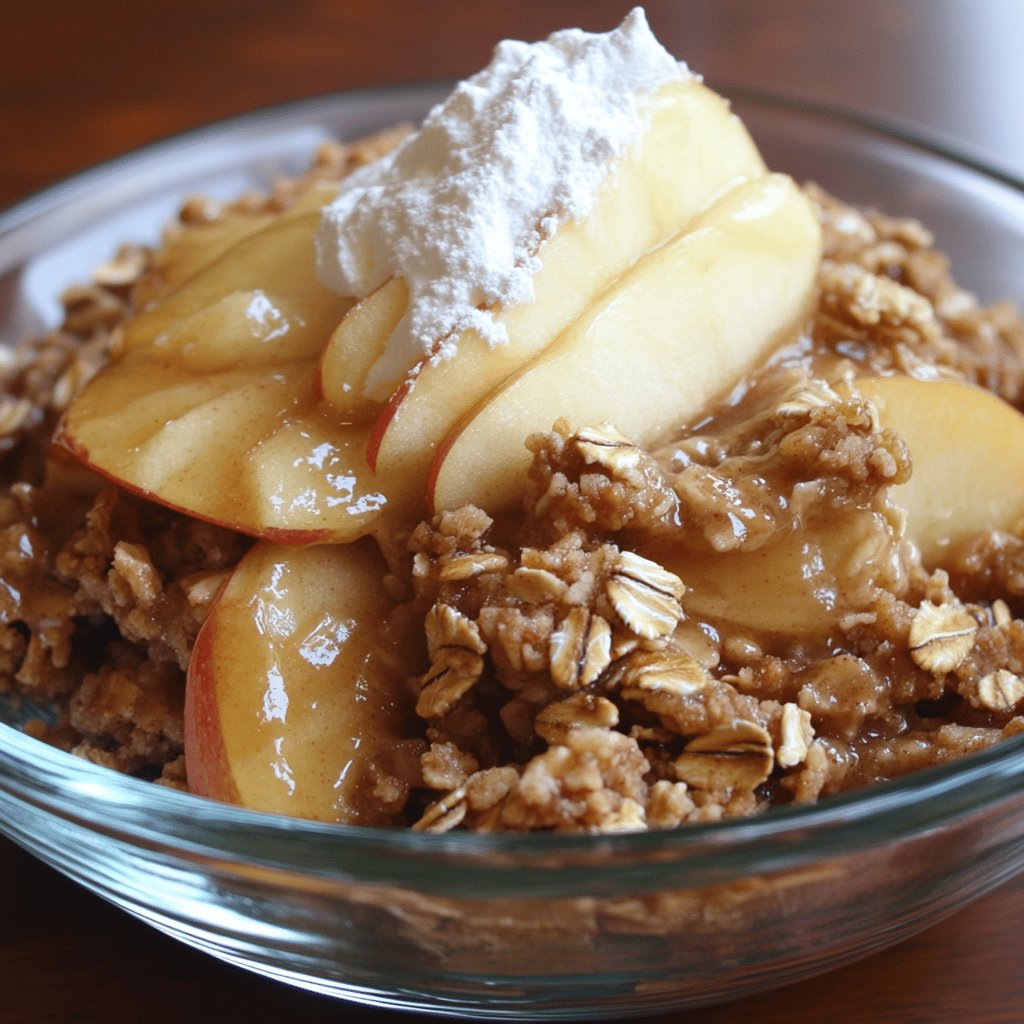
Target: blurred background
(80, 82)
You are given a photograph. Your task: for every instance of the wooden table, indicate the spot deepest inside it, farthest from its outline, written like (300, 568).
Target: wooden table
(80, 82)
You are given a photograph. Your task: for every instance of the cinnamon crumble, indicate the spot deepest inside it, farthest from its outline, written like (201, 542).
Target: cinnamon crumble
(616, 655)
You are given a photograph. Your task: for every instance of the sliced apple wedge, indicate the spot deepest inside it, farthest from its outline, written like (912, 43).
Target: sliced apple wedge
(693, 150)
(682, 326)
(356, 344)
(249, 448)
(309, 479)
(187, 249)
(814, 575)
(295, 701)
(278, 262)
(210, 407)
(967, 455)
(191, 247)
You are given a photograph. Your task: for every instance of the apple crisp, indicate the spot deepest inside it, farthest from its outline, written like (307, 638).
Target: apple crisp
(730, 620)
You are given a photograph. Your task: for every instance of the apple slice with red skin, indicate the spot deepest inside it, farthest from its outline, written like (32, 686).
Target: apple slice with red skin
(678, 330)
(253, 451)
(967, 459)
(209, 405)
(296, 700)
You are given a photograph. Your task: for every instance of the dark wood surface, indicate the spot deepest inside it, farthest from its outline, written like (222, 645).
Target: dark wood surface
(81, 82)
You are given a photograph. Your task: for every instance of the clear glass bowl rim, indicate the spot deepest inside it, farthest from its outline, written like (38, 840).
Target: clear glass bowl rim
(159, 818)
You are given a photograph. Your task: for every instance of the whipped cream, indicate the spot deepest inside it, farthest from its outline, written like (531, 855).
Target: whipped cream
(460, 209)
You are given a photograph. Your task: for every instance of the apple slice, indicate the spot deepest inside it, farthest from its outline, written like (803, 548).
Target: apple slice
(295, 701)
(356, 344)
(967, 453)
(681, 327)
(190, 247)
(308, 479)
(249, 448)
(209, 406)
(693, 150)
(279, 262)
(244, 329)
(799, 585)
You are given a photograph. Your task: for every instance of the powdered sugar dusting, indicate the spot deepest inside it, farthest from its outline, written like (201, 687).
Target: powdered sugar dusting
(461, 207)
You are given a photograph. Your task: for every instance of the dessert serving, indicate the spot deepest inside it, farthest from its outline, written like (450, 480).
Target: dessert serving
(554, 466)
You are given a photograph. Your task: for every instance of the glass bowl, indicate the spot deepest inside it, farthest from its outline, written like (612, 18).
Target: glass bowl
(538, 926)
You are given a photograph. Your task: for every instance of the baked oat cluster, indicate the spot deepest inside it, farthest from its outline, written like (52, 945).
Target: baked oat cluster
(614, 655)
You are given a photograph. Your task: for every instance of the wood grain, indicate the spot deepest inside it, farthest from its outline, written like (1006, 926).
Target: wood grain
(82, 82)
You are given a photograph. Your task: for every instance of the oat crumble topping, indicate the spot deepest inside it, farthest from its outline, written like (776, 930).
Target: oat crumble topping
(578, 670)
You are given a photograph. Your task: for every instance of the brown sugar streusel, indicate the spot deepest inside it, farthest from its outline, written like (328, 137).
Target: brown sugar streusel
(578, 673)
